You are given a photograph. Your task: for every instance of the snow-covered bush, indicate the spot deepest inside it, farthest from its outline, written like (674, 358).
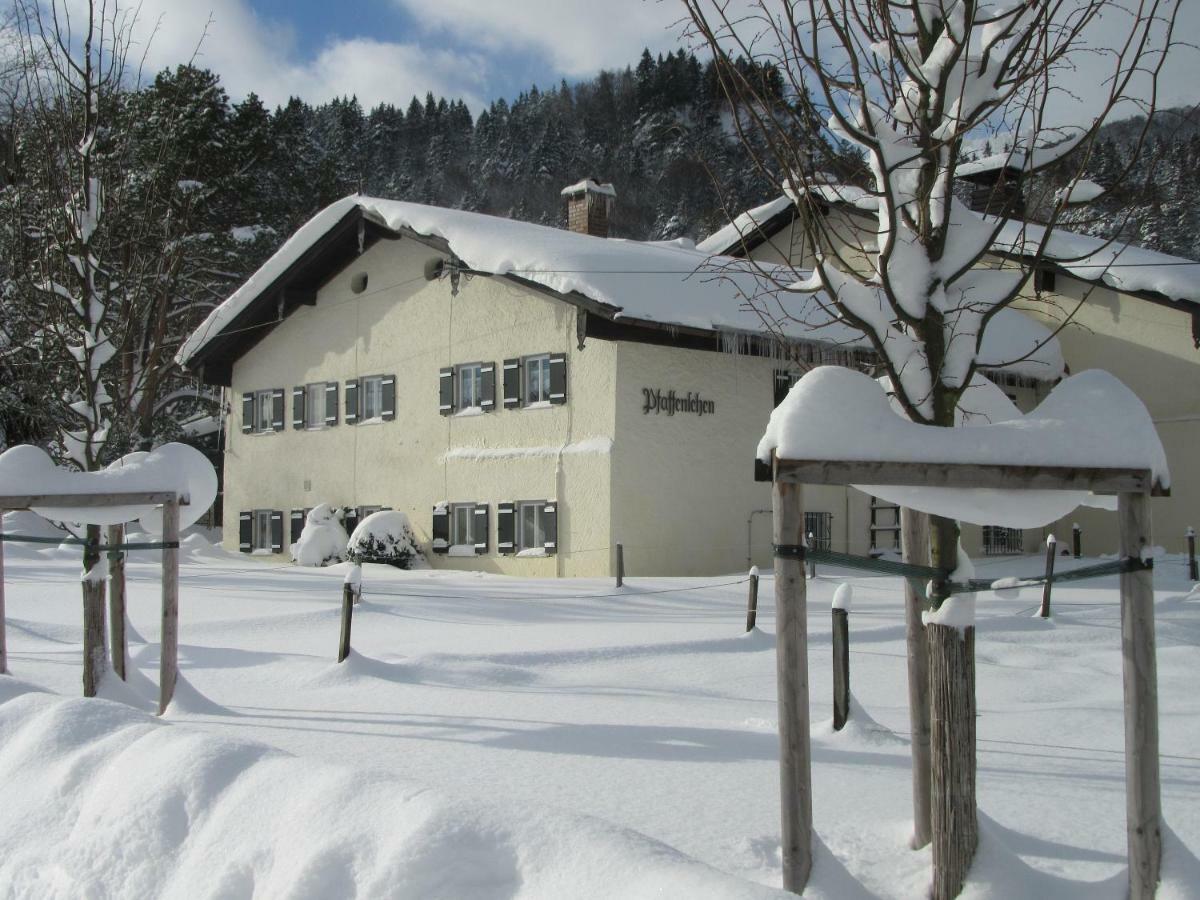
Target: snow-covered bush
(385, 537)
(323, 540)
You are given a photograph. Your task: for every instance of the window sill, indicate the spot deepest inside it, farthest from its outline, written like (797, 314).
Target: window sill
(469, 412)
(541, 404)
(462, 550)
(533, 553)
(374, 420)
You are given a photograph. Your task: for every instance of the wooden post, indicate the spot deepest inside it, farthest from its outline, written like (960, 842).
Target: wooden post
(914, 541)
(95, 640)
(955, 827)
(791, 654)
(841, 668)
(1076, 541)
(168, 663)
(116, 600)
(347, 618)
(620, 565)
(1143, 802)
(3, 626)
(751, 602)
(812, 563)
(1051, 549)
(1193, 572)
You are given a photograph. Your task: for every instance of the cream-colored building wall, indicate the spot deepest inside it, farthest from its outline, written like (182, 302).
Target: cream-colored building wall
(684, 496)
(407, 326)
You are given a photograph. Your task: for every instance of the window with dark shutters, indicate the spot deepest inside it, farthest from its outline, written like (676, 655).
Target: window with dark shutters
(297, 524)
(276, 531)
(512, 383)
(247, 413)
(298, 394)
(331, 409)
(350, 519)
(245, 532)
(441, 528)
(558, 378)
(446, 391)
(487, 387)
(351, 401)
(388, 410)
(506, 528)
(481, 528)
(550, 524)
(783, 384)
(277, 409)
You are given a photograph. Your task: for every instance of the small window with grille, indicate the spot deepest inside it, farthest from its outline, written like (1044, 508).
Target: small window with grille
(1001, 541)
(820, 526)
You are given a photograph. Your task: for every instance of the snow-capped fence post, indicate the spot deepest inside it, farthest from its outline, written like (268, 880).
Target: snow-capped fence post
(168, 663)
(1143, 802)
(1076, 541)
(1193, 571)
(1051, 549)
(841, 656)
(791, 658)
(3, 626)
(620, 565)
(351, 591)
(812, 563)
(116, 598)
(751, 600)
(914, 543)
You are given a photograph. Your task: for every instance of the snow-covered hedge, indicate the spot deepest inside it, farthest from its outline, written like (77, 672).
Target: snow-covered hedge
(323, 540)
(385, 537)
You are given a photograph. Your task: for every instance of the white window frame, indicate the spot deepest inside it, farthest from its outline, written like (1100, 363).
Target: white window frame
(523, 541)
(260, 531)
(370, 389)
(457, 538)
(264, 412)
(473, 371)
(314, 406)
(542, 363)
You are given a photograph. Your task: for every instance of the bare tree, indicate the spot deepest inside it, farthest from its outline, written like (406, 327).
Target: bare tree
(911, 84)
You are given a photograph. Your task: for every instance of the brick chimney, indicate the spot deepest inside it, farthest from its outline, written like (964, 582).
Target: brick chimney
(589, 205)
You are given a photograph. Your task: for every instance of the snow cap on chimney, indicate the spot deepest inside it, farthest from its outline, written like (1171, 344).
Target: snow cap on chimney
(589, 205)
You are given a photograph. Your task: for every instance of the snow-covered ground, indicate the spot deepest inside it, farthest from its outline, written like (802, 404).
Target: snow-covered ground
(493, 737)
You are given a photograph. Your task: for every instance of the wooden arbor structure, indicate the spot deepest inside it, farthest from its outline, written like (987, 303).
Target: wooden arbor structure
(93, 649)
(950, 689)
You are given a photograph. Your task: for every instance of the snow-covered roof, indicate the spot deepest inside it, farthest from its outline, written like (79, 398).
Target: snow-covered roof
(659, 282)
(1112, 263)
(1051, 146)
(743, 226)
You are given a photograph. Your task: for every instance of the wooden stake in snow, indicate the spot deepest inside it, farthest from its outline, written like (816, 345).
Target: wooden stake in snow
(914, 541)
(116, 599)
(168, 663)
(1193, 571)
(1076, 540)
(812, 563)
(1143, 802)
(791, 655)
(841, 656)
(95, 640)
(3, 626)
(351, 591)
(752, 600)
(620, 565)
(1051, 549)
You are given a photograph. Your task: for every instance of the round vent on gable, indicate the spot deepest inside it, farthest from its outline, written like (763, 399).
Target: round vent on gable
(358, 283)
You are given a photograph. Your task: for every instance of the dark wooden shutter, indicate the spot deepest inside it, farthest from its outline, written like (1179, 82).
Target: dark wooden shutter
(276, 531)
(245, 532)
(350, 519)
(783, 384)
(446, 391)
(351, 401)
(297, 524)
(277, 409)
(481, 528)
(506, 528)
(441, 528)
(512, 383)
(388, 412)
(487, 387)
(298, 407)
(550, 523)
(247, 413)
(558, 378)
(331, 410)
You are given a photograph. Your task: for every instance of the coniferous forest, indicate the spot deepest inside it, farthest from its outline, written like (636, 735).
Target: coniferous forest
(200, 190)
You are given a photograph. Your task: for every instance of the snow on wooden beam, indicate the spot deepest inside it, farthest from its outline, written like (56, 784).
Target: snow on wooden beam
(968, 475)
(117, 498)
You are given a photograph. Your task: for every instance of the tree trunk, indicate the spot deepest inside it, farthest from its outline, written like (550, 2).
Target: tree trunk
(952, 736)
(95, 644)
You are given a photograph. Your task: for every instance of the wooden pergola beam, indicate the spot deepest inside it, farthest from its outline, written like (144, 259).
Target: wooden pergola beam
(67, 501)
(969, 475)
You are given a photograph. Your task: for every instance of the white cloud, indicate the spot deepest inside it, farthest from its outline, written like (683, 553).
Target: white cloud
(252, 53)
